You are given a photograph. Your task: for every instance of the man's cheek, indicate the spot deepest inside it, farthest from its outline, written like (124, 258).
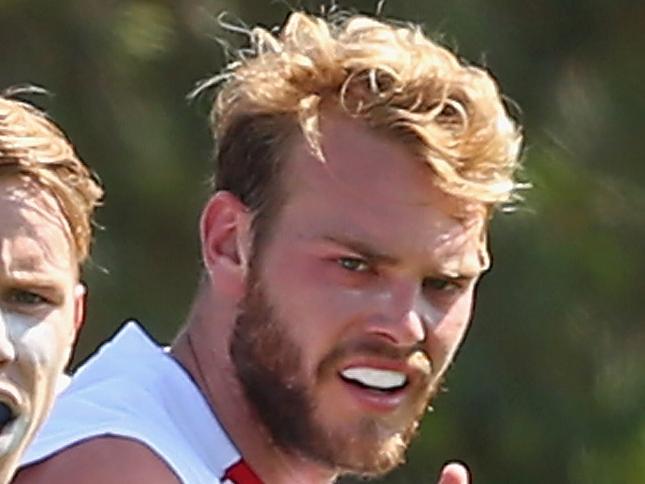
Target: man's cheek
(45, 350)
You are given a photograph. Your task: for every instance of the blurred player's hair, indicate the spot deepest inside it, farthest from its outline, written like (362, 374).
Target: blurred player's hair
(33, 147)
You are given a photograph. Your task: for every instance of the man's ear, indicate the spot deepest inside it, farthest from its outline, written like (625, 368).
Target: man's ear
(80, 302)
(225, 228)
(483, 253)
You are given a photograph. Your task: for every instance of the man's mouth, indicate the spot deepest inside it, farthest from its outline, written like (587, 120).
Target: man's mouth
(7, 415)
(375, 378)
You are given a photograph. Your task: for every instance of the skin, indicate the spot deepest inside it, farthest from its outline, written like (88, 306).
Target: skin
(366, 253)
(41, 309)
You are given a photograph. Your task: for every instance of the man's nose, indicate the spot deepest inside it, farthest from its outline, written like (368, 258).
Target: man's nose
(398, 315)
(7, 349)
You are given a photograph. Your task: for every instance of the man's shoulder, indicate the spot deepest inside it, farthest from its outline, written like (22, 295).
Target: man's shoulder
(100, 460)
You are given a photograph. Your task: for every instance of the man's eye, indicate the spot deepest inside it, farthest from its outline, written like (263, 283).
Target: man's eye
(439, 284)
(27, 298)
(353, 264)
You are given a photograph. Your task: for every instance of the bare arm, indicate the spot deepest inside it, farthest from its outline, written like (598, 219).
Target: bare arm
(102, 460)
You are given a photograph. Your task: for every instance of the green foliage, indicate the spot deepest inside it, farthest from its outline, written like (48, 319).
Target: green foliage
(550, 385)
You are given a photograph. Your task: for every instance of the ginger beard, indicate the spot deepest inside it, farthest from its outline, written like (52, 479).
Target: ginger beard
(269, 367)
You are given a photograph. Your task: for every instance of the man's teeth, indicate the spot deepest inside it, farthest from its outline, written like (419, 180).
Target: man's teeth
(375, 378)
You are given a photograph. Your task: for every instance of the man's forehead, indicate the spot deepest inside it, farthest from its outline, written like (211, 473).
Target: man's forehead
(353, 153)
(34, 236)
(28, 254)
(357, 157)
(26, 199)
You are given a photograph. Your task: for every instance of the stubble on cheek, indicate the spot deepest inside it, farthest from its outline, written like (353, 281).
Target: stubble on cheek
(268, 367)
(372, 445)
(300, 413)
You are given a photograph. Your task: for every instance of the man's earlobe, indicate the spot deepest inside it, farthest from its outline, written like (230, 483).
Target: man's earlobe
(225, 238)
(80, 303)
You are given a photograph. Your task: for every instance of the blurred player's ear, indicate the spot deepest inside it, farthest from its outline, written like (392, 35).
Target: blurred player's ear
(225, 237)
(80, 303)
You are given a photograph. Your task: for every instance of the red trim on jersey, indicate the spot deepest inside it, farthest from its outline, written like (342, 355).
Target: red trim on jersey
(241, 473)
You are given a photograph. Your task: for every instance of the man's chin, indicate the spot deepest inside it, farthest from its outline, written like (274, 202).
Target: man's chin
(370, 449)
(13, 438)
(10, 453)
(373, 460)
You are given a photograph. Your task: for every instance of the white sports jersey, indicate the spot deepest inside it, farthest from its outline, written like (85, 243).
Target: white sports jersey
(133, 388)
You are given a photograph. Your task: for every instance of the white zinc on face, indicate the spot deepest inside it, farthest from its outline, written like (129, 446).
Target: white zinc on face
(13, 420)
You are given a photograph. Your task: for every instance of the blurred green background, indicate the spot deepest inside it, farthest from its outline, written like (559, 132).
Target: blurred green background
(550, 385)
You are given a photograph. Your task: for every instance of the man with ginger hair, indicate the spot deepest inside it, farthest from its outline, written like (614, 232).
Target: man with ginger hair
(47, 197)
(357, 167)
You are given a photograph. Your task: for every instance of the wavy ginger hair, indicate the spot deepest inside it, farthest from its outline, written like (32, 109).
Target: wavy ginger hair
(389, 76)
(33, 147)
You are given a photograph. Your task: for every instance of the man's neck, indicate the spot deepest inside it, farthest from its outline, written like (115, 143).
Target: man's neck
(7, 467)
(202, 349)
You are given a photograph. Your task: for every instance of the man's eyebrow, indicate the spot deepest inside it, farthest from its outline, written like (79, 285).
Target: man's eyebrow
(458, 277)
(461, 274)
(34, 280)
(364, 249)
(32, 270)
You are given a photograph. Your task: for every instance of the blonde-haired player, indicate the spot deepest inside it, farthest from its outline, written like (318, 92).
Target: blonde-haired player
(47, 197)
(357, 166)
